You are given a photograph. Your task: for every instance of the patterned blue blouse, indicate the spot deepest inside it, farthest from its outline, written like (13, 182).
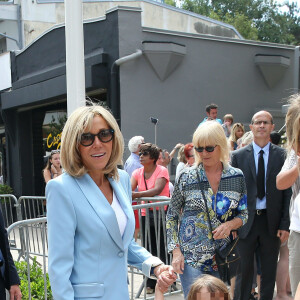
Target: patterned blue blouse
(187, 208)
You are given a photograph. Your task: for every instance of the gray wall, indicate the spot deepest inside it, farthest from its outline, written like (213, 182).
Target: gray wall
(10, 28)
(213, 70)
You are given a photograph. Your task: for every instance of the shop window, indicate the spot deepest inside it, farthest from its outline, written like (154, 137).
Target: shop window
(53, 124)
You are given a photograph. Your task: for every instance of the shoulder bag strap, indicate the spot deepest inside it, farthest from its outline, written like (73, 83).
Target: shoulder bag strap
(205, 201)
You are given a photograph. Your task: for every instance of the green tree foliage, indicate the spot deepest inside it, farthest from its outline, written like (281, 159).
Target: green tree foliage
(170, 2)
(262, 20)
(200, 7)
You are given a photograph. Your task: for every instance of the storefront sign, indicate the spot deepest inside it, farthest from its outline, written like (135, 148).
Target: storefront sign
(52, 141)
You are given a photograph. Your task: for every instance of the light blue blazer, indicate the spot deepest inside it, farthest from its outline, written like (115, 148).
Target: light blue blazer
(88, 257)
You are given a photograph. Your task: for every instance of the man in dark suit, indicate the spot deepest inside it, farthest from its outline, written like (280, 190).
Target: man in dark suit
(9, 278)
(268, 208)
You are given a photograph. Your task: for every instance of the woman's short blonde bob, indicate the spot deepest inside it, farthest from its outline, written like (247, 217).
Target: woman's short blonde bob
(211, 133)
(80, 121)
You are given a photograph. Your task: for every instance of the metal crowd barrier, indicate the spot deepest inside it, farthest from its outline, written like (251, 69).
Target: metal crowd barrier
(8, 207)
(31, 245)
(28, 238)
(31, 207)
(152, 220)
(26, 207)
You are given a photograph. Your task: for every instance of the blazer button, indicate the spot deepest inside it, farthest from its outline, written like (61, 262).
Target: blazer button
(121, 254)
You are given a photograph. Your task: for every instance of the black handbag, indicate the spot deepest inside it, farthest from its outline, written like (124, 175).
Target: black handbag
(228, 261)
(227, 257)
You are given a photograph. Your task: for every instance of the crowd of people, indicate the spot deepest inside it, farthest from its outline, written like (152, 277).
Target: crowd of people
(235, 173)
(229, 184)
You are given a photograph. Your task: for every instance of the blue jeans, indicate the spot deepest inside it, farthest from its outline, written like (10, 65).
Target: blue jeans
(190, 274)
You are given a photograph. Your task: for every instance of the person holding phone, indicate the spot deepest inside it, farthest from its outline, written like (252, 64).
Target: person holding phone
(53, 168)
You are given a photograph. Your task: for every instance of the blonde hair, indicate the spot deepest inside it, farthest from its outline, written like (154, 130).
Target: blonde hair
(181, 156)
(212, 284)
(211, 133)
(292, 121)
(247, 138)
(80, 121)
(234, 129)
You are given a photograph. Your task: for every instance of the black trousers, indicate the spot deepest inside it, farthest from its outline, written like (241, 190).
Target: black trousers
(269, 250)
(2, 289)
(154, 239)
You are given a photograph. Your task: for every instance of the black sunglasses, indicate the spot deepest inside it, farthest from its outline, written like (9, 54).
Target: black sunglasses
(145, 153)
(105, 136)
(207, 148)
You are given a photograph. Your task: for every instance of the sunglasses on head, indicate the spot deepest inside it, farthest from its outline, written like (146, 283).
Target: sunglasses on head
(207, 148)
(105, 136)
(145, 153)
(55, 152)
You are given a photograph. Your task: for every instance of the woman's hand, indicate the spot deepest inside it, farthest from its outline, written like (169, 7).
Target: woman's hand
(178, 261)
(165, 276)
(159, 291)
(222, 231)
(134, 195)
(55, 172)
(53, 169)
(234, 234)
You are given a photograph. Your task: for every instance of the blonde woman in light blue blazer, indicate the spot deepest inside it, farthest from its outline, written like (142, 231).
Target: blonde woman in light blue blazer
(90, 217)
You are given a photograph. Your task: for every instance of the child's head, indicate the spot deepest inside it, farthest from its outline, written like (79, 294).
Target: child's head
(237, 131)
(208, 287)
(228, 118)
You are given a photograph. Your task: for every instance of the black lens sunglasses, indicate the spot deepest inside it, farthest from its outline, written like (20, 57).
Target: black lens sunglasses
(105, 136)
(207, 148)
(145, 153)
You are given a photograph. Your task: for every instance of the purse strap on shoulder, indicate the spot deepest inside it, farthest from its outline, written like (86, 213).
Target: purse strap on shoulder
(206, 206)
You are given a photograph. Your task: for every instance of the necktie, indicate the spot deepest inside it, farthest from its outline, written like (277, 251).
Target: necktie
(260, 179)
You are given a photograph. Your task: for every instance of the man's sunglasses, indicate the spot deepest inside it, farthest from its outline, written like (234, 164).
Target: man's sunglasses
(145, 153)
(207, 148)
(105, 136)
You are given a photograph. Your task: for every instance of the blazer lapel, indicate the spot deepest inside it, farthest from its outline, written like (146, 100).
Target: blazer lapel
(101, 207)
(126, 205)
(251, 161)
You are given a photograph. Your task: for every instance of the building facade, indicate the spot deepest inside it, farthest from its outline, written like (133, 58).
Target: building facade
(172, 78)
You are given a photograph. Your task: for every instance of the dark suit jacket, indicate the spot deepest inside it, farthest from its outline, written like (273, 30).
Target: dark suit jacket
(277, 201)
(10, 274)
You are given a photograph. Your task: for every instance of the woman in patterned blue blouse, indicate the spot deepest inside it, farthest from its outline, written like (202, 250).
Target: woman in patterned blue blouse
(189, 237)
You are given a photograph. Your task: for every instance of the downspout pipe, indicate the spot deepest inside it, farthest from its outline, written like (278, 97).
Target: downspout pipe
(20, 41)
(11, 38)
(20, 28)
(114, 99)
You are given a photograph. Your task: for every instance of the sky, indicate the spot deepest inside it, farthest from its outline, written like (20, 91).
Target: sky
(290, 1)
